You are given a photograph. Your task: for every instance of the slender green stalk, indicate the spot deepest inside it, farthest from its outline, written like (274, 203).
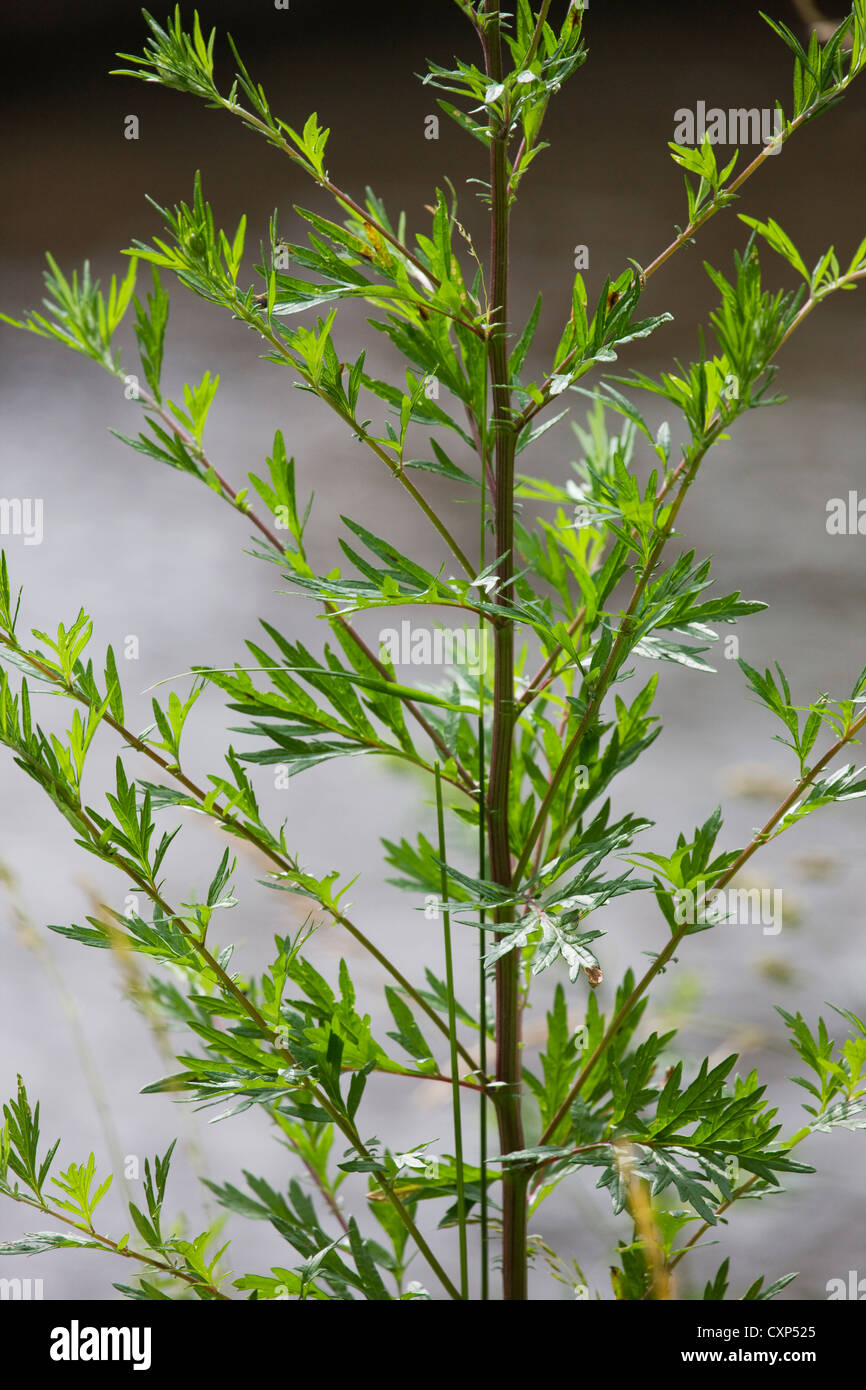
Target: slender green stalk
(452, 1030)
(482, 918)
(482, 1050)
(539, 29)
(508, 1069)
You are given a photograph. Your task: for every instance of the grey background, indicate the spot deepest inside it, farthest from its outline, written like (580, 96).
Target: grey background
(148, 553)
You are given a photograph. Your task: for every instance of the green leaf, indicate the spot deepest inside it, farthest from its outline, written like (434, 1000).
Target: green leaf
(408, 1034)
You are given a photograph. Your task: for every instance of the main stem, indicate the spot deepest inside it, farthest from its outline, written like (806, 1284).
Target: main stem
(508, 1103)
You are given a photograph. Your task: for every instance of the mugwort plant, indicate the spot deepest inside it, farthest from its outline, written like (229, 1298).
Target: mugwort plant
(578, 590)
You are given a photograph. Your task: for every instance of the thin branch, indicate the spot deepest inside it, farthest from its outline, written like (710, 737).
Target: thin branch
(396, 469)
(611, 666)
(530, 411)
(285, 864)
(350, 205)
(111, 1247)
(228, 985)
(536, 37)
(192, 445)
(323, 1187)
(684, 473)
(661, 960)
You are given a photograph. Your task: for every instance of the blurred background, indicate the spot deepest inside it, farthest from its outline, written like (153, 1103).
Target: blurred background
(151, 555)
